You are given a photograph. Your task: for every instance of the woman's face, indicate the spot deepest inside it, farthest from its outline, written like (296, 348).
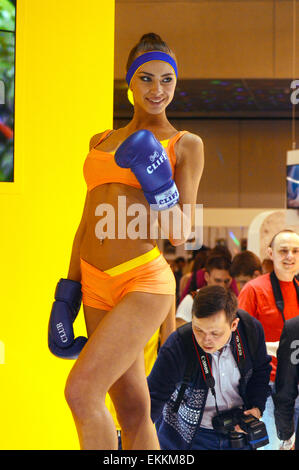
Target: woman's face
(153, 86)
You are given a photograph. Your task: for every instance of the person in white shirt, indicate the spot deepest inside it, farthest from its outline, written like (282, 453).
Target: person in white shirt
(217, 273)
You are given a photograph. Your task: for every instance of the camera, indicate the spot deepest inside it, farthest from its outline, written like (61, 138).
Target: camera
(256, 434)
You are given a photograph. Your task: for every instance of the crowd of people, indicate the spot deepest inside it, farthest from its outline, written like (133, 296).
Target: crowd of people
(222, 301)
(267, 290)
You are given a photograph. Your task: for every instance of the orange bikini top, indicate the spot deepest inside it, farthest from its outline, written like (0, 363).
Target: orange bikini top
(100, 167)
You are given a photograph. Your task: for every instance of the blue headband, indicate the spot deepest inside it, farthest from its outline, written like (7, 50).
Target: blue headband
(147, 57)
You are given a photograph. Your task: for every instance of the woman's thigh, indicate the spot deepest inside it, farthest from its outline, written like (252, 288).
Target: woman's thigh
(129, 394)
(118, 339)
(93, 317)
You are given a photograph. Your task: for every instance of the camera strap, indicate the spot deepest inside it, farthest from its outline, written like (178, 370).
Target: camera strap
(206, 369)
(205, 365)
(190, 351)
(278, 294)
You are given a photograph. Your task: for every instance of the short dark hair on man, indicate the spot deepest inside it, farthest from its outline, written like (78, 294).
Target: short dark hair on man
(216, 261)
(221, 250)
(245, 263)
(212, 299)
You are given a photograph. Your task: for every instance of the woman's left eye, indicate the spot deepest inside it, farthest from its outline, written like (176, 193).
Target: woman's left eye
(144, 78)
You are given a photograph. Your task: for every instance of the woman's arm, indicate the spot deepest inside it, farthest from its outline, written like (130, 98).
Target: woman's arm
(74, 272)
(188, 172)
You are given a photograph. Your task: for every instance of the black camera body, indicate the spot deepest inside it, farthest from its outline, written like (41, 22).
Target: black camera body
(255, 429)
(256, 434)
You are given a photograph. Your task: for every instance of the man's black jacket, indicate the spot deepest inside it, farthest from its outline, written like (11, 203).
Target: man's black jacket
(287, 377)
(177, 428)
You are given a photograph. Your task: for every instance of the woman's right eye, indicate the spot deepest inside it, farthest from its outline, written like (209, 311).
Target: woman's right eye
(144, 78)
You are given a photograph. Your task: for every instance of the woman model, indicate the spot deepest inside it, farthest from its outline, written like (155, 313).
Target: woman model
(128, 288)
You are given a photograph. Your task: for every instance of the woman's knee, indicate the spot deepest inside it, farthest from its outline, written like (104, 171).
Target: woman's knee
(131, 413)
(82, 397)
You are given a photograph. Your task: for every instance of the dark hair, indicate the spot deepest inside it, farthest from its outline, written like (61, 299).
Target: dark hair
(281, 231)
(200, 250)
(212, 299)
(148, 42)
(199, 262)
(221, 250)
(215, 261)
(179, 259)
(245, 263)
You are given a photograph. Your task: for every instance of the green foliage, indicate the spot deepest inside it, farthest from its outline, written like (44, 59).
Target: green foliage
(7, 74)
(7, 15)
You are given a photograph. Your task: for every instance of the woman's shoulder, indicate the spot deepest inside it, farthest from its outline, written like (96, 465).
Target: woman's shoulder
(190, 146)
(96, 138)
(190, 140)
(115, 137)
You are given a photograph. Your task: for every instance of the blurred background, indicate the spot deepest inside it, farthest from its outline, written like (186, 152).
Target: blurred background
(236, 61)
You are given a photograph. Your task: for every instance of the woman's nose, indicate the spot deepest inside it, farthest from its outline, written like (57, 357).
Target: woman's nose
(156, 86)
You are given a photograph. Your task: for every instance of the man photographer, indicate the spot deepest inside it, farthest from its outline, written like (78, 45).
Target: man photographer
(206, 372)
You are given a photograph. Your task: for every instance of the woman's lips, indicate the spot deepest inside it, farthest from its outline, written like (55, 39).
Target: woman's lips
(155, 102)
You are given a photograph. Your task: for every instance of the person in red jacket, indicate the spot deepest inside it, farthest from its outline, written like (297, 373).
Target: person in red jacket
(272, 298)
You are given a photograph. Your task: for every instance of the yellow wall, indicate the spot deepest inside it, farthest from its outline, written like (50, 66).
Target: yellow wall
(64, 95)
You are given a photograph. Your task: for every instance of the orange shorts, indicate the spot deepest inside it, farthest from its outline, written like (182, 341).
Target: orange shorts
(146, 273)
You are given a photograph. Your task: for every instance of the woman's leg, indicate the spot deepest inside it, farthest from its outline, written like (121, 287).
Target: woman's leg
(112, 349)
(131, 399)
(132, 408)
(93, 316)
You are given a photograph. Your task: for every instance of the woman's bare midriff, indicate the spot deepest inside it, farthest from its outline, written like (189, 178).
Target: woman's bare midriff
(114, 250)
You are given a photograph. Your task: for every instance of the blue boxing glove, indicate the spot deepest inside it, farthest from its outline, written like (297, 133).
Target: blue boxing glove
(146, 157)
(61, 341)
